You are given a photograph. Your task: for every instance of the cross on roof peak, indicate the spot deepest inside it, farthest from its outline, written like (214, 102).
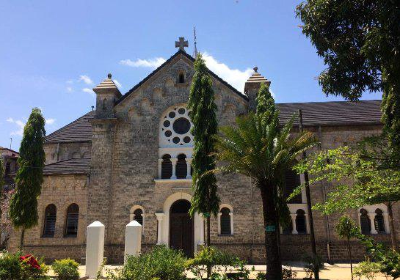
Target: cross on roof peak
(181, 44)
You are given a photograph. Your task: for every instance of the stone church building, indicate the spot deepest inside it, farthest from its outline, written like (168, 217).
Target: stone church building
(130, 158)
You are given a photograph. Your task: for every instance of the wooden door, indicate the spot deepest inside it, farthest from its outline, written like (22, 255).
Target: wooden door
(181, 228)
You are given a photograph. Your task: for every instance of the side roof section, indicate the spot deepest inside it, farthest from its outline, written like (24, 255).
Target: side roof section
(79, 130)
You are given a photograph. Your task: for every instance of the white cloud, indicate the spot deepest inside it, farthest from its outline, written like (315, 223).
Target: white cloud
(69, 89)
(234, 77)
(20, 124)
(149, 63)
(86, 79)
(88, 90)
(50, 121)
(117, 83)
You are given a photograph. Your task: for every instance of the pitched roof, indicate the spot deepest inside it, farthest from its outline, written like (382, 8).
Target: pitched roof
(79, 130)
(333, 113)
(169, 60)
(71, 166)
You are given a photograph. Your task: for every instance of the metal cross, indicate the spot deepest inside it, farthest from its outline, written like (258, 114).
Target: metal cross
(181, 44)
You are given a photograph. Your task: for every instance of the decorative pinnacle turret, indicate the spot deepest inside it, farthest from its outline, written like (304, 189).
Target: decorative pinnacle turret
(109, 75)
(255, 69)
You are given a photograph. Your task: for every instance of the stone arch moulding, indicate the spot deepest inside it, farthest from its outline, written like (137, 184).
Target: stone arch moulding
(230, 214)
(164, 221)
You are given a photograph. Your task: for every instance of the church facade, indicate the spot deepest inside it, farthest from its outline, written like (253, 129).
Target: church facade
(129, 159)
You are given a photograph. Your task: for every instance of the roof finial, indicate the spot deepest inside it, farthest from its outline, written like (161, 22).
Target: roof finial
(109, 75)
(255, 69)
(195, 42)
(181, 44)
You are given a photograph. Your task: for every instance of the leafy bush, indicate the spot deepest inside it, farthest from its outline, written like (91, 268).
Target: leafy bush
(66, 269)
(367, 269)
(312, 265)
(18, 267)
(288, 273)
(230, 266)
(261, 276)
(161, 263)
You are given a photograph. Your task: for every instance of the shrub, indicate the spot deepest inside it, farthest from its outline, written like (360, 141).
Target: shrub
(312, 265)
(230, 266)
(288, 273)
(161, 263)
(18, 267)
(367, 269)
(261, 276)
(66, 269)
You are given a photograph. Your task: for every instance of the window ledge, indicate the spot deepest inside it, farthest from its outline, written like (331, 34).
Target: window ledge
(226, 235)
(172, 180)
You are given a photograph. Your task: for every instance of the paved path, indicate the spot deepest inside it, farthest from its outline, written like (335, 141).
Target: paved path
(332, 272)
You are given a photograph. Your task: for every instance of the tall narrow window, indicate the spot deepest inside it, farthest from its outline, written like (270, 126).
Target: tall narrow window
(379, 221)
(50, 217)
(225, 220)
(181, 78)
(138, 216)
(166, 167)
(301, 226)
(104, 104)
(364, 222)
(71, 226)
(292, 181)
(181, 167)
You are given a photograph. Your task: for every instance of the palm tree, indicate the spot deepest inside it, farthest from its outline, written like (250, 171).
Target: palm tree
(258, 147)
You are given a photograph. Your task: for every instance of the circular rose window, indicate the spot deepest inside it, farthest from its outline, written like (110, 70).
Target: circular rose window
(175, 127)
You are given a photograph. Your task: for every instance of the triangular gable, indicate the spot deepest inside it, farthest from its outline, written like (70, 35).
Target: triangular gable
(215, 76)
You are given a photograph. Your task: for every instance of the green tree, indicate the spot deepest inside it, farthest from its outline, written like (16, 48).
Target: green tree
(359, 177)
(258, 148)
(347, 229)
(205, 126)
(29, 178)
(360, 43)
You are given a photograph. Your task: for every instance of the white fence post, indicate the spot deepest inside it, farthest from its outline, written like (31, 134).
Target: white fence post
(133, 239)
(94, 248)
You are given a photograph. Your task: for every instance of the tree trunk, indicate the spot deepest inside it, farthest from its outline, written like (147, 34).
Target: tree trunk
(21, 241)
(350, 257)
(391, 226)
(208, 243)
(271, 225)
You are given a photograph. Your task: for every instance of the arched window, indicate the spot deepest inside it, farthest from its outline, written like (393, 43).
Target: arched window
(364, 222)
(50, 217)
(301, 226)
(292, 181)
(379, 222)
(225, 221)
(71, 225)
(138, 216)
(181, 167)
(166, 167)
(181, 78)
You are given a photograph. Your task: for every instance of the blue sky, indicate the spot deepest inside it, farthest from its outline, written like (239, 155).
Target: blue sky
(52, 53)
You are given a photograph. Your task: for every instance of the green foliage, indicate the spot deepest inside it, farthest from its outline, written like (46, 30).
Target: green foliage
(360, 43)
(12, 268)
(161, 263)
(66, 269)
(203, 116)
(261, 276)
(367, 269)
(29, 178)
(347, 228)
(389, 260)
(288, 273)
(312, 265)
(227, 264)
(358, 175)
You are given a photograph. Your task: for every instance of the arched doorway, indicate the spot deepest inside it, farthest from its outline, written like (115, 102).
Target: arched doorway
(181, 228)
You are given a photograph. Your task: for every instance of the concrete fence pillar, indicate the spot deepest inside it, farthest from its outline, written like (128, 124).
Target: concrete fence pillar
(94, 248)
(133, 239)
